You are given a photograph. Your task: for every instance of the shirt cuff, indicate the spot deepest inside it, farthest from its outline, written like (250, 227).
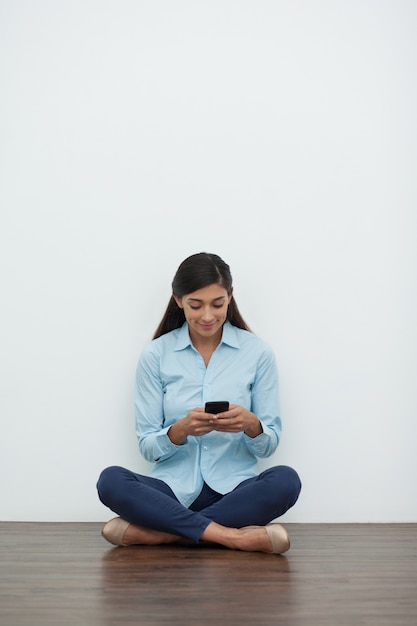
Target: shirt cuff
(163, 446)
(259, 444)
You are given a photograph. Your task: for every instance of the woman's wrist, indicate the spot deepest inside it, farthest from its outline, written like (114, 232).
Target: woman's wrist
(255, 428)
(177, 433)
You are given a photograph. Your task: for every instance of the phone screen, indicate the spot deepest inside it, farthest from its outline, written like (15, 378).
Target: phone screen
(216, 407)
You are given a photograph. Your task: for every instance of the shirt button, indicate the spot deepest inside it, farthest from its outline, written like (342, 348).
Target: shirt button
(205, 448)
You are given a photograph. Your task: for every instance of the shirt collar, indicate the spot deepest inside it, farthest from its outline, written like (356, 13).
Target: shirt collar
(229, 336)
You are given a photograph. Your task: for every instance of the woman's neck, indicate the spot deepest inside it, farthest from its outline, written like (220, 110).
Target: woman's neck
(205, 345)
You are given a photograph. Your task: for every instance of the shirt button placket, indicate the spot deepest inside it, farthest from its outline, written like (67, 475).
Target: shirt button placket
(204, 449)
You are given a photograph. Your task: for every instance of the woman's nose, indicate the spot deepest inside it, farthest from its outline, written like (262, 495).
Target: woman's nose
(207, 314)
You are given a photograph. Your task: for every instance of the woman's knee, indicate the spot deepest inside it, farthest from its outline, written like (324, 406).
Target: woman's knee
(286, 479)
(108, 481)
(293, 480)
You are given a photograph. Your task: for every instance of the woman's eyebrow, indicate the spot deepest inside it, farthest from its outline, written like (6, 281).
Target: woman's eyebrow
(198, 299)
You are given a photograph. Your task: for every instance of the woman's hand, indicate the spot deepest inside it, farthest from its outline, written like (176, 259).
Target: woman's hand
(196, 423)
(236, 420)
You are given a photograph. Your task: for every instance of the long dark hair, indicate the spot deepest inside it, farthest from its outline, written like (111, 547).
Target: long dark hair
(196, 272)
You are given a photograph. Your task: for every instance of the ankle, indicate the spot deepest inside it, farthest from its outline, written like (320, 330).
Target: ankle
(139, 535)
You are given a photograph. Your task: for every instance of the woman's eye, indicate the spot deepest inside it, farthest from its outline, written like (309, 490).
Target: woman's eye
(215, 306)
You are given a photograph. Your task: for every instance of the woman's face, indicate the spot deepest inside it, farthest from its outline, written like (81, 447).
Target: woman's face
(205, 311)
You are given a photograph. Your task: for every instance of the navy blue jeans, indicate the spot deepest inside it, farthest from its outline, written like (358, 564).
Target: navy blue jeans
(149, 502)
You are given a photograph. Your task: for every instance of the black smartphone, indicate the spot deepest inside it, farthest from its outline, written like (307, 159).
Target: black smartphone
(216, 407)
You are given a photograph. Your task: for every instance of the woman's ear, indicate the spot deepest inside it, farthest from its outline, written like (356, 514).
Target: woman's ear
(178, 300)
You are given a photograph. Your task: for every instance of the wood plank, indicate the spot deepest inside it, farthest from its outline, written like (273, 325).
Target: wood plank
(341, 574)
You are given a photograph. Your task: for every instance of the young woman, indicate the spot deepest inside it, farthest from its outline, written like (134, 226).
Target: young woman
(204, 484)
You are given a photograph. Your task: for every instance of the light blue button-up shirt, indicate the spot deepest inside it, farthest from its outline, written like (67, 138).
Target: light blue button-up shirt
(172, 379)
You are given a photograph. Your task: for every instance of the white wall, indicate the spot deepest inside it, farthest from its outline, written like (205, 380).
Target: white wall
(280, 135)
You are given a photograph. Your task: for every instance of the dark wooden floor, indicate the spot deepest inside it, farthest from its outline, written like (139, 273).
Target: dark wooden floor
(338, 575)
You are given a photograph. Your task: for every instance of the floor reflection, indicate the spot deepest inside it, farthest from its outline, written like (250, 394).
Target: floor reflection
(187, 583)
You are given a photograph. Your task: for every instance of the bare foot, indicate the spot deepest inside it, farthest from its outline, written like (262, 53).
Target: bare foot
(272, 538)
(120, 533)
(146, 536)
(254, 539)
(250, 539)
